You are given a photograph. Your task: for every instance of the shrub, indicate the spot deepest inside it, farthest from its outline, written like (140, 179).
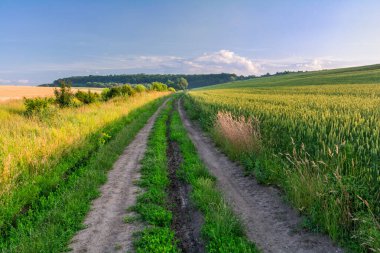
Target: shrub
(127, 89)
(140, 88)
(171, 89)
(87, 97)
(115, 91)
(36, 106)
(111, 93)
(105, 95)
(157, 86)
(64, 96)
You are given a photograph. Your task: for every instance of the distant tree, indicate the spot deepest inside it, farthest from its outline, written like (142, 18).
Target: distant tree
(64, 96)
(182, 83)
(140, 88)
(127, 89)
(158, 86)
(87, 97)
(170, 83)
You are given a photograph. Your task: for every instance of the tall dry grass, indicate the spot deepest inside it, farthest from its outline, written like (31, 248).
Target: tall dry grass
(243, 134)
(30, 147)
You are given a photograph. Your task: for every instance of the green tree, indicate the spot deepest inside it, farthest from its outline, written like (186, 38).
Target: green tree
(170, 83)
(158, 86)
(182, 83)
(64, 96)
(140, 88)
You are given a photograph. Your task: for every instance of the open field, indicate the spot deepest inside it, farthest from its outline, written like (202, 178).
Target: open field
(317, 137)
(19, 92)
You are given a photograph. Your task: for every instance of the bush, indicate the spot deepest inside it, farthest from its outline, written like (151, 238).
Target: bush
(105, 94)
(157, 86)
(64, 96)
(87, 97)
(171, 89)
(109, 93)
(140, 88)
(127, 89)
(37, 106)
(123, 90)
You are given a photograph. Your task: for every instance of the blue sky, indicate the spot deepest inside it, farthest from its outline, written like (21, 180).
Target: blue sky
(42, 40)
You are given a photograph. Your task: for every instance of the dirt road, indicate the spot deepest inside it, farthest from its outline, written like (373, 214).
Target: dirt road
(105, 229)
(269, 222)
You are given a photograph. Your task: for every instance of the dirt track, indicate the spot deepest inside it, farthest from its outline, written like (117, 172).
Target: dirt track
(269, 222)
(105, 229)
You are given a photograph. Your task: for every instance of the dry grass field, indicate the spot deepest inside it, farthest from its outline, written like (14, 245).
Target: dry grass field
(18, 92)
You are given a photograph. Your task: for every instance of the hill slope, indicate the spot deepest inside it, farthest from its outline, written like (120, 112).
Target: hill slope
(356, 75)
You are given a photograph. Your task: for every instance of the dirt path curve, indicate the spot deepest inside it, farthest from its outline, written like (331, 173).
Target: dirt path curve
(270, 223)
(105, 229)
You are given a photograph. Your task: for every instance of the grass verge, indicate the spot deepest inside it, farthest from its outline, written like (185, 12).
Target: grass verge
(53, 219)
(153, 204)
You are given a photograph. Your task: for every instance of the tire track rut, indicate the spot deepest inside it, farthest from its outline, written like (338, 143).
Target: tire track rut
(105, 229)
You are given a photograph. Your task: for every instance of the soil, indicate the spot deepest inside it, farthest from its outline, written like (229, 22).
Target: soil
(269, 222)
(105, 229)
(187, 220)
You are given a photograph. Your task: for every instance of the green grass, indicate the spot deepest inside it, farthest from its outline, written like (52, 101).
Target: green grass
(53, 218)
(356, 75)
(222, 230)
(152, 205)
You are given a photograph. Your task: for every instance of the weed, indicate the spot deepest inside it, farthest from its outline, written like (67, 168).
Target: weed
(130, 218)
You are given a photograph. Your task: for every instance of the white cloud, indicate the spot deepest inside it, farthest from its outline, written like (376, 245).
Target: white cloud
(224, 61)
(23, 81)
(4, 81)
(215, 62)
(303, 64)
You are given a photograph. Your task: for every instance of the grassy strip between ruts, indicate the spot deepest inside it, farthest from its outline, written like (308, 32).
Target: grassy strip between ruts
(53, 219)
(152, 205)
(222, 230)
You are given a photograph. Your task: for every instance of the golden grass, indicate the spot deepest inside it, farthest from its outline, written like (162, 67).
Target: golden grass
(31, 146)
(18, 92)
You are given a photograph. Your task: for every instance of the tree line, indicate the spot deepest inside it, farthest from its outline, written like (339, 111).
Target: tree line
(171, 80)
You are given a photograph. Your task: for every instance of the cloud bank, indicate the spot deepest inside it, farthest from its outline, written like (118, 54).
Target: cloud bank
(220, 61)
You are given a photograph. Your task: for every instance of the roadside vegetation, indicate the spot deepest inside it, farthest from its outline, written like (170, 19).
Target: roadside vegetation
(320, 144)
(54, 159)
